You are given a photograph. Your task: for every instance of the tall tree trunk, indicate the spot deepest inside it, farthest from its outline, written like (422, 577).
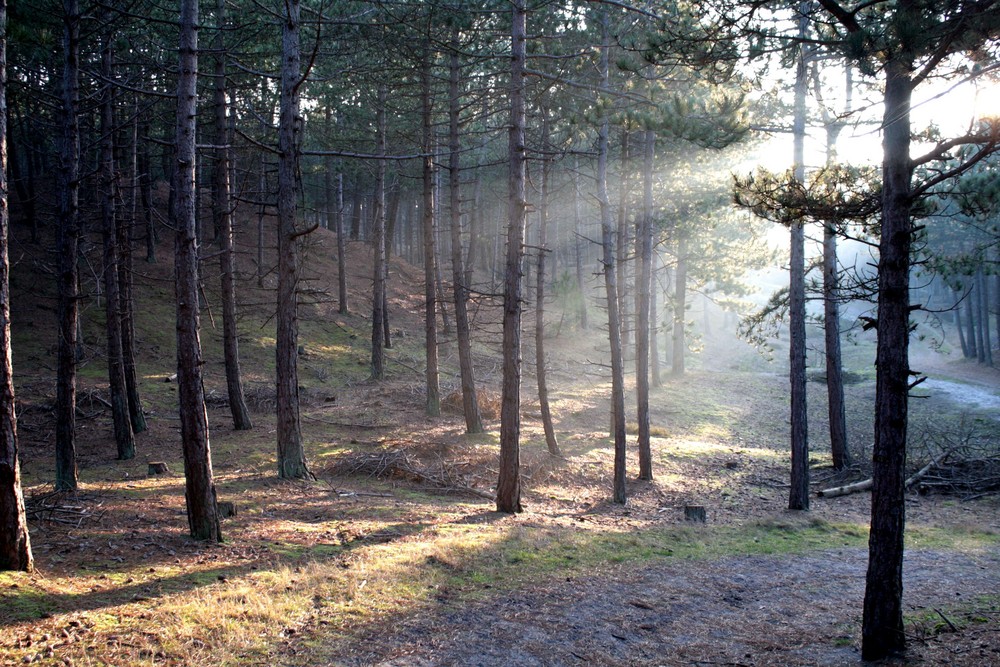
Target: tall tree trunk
(644, 236)
(836, 410)
(433, 405)
(291, 455)
(540, 373)
(341, 250)
(970, 323)
(378, 243)
(882, 627)
(67, 248)
(390, 234)
(125, 240)
(976, 305)
(262, 183)
(957, 310)
(798, 495)
(834, 366)
(654, 324)
(460, 285)
(223, 214)
(146, 190)
(679, 307)
(621, 233)
(15, 544)
(610, 282)
(982, 289)
(124, 436)
(202, 510)
(579, 245)
(509, 479)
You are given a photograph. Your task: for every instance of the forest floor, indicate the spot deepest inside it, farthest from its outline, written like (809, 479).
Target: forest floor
(394, 557)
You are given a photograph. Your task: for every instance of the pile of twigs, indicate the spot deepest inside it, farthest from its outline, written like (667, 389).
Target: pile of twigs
(395, 463)
(965, 478)
(60, 508)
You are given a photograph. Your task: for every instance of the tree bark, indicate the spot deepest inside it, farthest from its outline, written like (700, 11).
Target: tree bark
(958, 325)
(460, 278)
(983, 301)
(146, 190)
(222, 212)
(579, 245)
(124, 437)
(970, 323)
(882, 626)
(679, 307)
(15, 543)
(610, 282)
(342, 306)
(654, 323)
(798, 495)
(125, 238)
(291, 455)
(834, 366)
(67, 249)
(433, 404)
(378, 243)
(509, 480)
(644, 236)
(541, 376)
(621, 233)
(202, 510)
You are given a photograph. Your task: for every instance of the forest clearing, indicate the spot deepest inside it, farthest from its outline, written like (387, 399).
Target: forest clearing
(389, 559)
(511, 332)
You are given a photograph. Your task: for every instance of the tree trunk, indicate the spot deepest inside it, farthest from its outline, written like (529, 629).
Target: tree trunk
(834, 366)
(390, 234)
(976, 306)
(798, 495)
(470, 401)
(540, 373)
(125, 240)
(509, 479)
(222, 212)
(15, 544)
(433, 406)
(124, 437)
(202, 510)
(610, 283)
(262, 187)
(621, 233)
(654, 324)
(341, 250)
(291, 455)
(67, 248)
(957, 310)
(882, 628)
(146, 190)
(680, 307)
(982, 289)
(378, 243)
(644, 237)
(579, 245)
(970, 323)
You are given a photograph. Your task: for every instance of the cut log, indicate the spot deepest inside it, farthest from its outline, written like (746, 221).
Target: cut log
(867, 484)
(694, 513)
(157, 468)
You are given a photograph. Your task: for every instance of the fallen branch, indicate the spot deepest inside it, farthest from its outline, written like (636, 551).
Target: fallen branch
(867, 484)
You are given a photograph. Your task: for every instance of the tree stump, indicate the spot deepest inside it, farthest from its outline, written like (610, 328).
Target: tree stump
(226, 508)
(694, 513)
(157, 468)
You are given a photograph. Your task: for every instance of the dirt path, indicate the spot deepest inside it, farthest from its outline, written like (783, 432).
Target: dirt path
(754, 610)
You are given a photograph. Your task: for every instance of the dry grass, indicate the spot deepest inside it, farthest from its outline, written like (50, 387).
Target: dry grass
(308, 569)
